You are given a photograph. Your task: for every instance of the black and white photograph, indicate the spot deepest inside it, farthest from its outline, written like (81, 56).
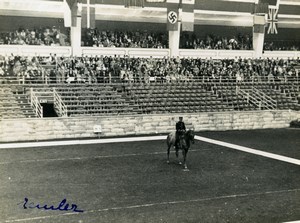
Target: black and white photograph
(149, 111)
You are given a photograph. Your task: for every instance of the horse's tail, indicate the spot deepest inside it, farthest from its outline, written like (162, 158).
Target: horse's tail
(169, 139)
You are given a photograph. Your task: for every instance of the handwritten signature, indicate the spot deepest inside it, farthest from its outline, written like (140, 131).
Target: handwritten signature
(63, 206)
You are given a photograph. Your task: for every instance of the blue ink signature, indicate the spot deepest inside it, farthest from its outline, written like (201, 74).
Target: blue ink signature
(63, 206)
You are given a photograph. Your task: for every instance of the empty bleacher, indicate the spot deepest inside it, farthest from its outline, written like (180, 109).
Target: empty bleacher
(291, 90)
(283, 101)
(148, 98)
(228, 93)
(174, 97)
(94, 100)
(14, 104)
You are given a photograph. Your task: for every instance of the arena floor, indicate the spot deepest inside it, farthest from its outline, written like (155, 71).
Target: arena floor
(131, 181)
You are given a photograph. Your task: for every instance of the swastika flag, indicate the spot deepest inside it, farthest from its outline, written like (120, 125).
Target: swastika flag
(172, 15)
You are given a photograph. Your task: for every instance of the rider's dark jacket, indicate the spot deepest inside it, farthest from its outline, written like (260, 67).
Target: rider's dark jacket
(180, 126)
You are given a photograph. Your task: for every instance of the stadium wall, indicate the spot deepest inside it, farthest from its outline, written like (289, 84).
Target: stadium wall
(83, 127)
(66, 51)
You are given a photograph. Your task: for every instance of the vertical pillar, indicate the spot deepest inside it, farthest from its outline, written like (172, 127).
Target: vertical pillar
(258, 38)
(258, 43)
(76, 37)
(72, 18)
(174, 38)
(76, 11)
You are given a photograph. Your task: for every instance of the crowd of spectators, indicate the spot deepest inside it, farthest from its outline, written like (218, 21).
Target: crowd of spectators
(282, 45)
(239, 42)
(105, 69)
(145, 39)
(52, 36)
(132, 39)
(48, 36)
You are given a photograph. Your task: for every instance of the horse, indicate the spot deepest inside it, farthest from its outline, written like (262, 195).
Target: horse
(185, 140)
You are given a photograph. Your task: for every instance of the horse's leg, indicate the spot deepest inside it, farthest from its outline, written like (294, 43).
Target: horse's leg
(176, 152)
(184, 153)
(168, 154)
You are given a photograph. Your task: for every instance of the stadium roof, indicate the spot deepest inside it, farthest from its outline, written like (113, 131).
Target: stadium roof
(207, 12)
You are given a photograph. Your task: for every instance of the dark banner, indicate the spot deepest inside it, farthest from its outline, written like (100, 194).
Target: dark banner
(172, 15)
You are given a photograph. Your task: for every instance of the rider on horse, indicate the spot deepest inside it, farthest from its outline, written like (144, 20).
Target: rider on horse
(180, 129)
(181, 140)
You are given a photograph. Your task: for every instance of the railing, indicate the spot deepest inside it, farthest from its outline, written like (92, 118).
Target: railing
(59, 106)
(188, 53)
(216, 54)
(267, 101)
(130, 52)
(250, 98)
(13, 80)
(281, 54)
(29, 50)
(258, 98)
(35, 104)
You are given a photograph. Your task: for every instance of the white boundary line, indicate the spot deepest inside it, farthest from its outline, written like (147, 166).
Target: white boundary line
(78, 142)
(292, 221)
(115, 140)
(149, 138)
(249, 150)
(155, 204)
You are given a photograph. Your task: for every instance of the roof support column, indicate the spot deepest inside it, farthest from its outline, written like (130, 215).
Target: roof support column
(76, 29)
(259, 22)
(76, 37)
(72, 18)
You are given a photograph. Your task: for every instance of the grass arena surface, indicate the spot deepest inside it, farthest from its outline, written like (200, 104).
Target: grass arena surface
(131, 181)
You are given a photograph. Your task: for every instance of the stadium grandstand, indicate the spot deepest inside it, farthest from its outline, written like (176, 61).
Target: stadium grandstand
(93, 69)
(80, 58)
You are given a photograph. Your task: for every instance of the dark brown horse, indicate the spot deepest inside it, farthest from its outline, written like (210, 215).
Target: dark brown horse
(184, 144)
